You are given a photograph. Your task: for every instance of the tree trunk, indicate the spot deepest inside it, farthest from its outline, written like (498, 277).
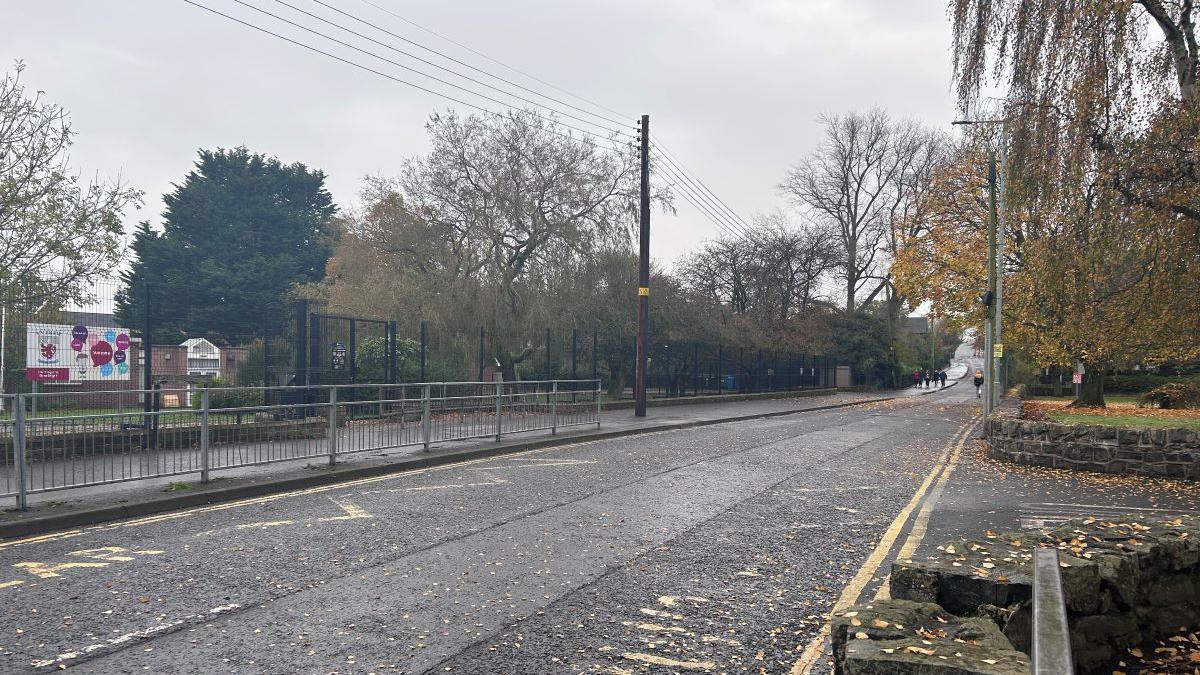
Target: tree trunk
(1091, 391)
(850, 284)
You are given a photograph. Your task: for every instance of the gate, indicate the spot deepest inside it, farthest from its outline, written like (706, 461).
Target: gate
(346, 350)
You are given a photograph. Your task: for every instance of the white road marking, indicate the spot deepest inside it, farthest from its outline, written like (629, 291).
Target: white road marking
(129, 637)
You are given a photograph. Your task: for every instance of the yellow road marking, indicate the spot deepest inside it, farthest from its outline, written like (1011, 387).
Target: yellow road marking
(106, 553)
(659, 614)
(43, 571)
(816, 647)
(921, 524)
(670, 663)
(55, 536)
(265, 523)
(7, 584)
(352, 512)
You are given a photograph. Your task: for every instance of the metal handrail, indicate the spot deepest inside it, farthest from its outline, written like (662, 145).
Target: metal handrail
(204, 446)
(1051, 635)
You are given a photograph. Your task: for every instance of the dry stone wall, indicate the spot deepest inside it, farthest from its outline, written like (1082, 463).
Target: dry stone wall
(1125, 582)
(1170, 453)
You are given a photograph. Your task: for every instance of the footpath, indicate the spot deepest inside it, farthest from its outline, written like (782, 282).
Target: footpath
(94, 504)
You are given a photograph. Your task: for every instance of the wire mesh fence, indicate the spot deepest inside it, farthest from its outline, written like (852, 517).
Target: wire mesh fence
(52, 444)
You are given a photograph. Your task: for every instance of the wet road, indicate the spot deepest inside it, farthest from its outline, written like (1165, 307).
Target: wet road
(715, 549)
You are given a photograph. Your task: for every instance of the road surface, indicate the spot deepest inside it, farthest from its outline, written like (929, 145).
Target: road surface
(715, 549)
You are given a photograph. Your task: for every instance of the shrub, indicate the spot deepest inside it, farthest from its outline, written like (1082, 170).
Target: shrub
(1172, 395)
(1136, 383)
(232, 398)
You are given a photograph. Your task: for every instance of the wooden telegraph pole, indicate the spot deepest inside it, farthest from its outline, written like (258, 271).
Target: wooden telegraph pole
(639, 384)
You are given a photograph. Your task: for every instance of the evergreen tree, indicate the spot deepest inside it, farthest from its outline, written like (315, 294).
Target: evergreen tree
(238, 233)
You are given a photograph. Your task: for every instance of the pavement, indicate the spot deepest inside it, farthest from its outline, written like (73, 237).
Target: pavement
(717, 548)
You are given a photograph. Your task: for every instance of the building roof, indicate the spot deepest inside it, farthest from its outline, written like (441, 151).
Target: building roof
(199, 344)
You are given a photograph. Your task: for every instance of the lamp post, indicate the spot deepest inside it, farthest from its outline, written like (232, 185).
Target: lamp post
(994, 298)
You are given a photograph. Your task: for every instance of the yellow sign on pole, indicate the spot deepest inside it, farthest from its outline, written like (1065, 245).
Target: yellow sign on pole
(643, 290)
(998, 350)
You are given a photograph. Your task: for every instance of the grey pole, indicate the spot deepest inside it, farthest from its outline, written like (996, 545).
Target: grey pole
(987, 371)
(554, 407)
(426, 430)
(1051, 636)
(204, 439)
(499, 412)
(332, 426)
(19, 451)
(989, 356)
(997, 333)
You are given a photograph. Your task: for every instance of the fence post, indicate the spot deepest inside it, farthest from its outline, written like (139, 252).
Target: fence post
(426, 422)
(720, 369)
(499, 394)
(19, 451)
(599, 389)
(424, 347)
(333, 425)
(204, 439)
(554, 407)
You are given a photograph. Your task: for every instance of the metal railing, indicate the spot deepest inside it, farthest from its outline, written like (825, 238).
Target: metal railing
(1051, 635)
(53, 441)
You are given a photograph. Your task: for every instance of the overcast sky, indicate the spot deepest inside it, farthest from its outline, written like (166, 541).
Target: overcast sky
(733, 88)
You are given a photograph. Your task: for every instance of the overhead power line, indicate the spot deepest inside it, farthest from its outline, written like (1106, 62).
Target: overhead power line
(732, 223)
(690, 188)
(385, 60)
(690, 195)
(692, 177)
(431, 63)
(499, 63)
(464, 64)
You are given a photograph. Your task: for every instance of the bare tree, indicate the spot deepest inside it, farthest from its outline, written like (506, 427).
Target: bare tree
(771, 275)
(57, 234)
(790, 263)
(483, 227)
(858, 183)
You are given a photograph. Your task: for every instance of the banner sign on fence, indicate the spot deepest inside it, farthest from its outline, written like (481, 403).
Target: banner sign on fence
(62, 353)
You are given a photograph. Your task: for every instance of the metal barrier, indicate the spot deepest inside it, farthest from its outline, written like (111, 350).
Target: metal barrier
(52, 442)
(1051, 636)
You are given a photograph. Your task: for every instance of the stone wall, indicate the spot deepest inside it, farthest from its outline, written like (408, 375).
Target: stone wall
(1172, 453)
(1127, 582)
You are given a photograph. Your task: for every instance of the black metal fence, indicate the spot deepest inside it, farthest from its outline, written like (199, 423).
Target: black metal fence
(82, 348)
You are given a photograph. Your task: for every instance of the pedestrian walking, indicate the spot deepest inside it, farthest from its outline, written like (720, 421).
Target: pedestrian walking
(917, 378)
(978, 383)
(928, 377)
(942, 377)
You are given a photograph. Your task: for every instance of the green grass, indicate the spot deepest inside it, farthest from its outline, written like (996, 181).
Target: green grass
(1127, 420)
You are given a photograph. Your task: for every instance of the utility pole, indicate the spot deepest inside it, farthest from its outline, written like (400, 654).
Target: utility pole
(998, 218)
(994, 298)
(989, 373)
(639, 383)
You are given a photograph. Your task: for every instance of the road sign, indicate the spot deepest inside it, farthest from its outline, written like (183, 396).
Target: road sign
(1077, 378)
(998, 350)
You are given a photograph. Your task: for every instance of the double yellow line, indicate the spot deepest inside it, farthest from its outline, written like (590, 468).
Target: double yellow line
(936, 478)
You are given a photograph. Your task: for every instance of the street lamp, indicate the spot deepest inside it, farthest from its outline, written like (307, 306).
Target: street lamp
(993, 335)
